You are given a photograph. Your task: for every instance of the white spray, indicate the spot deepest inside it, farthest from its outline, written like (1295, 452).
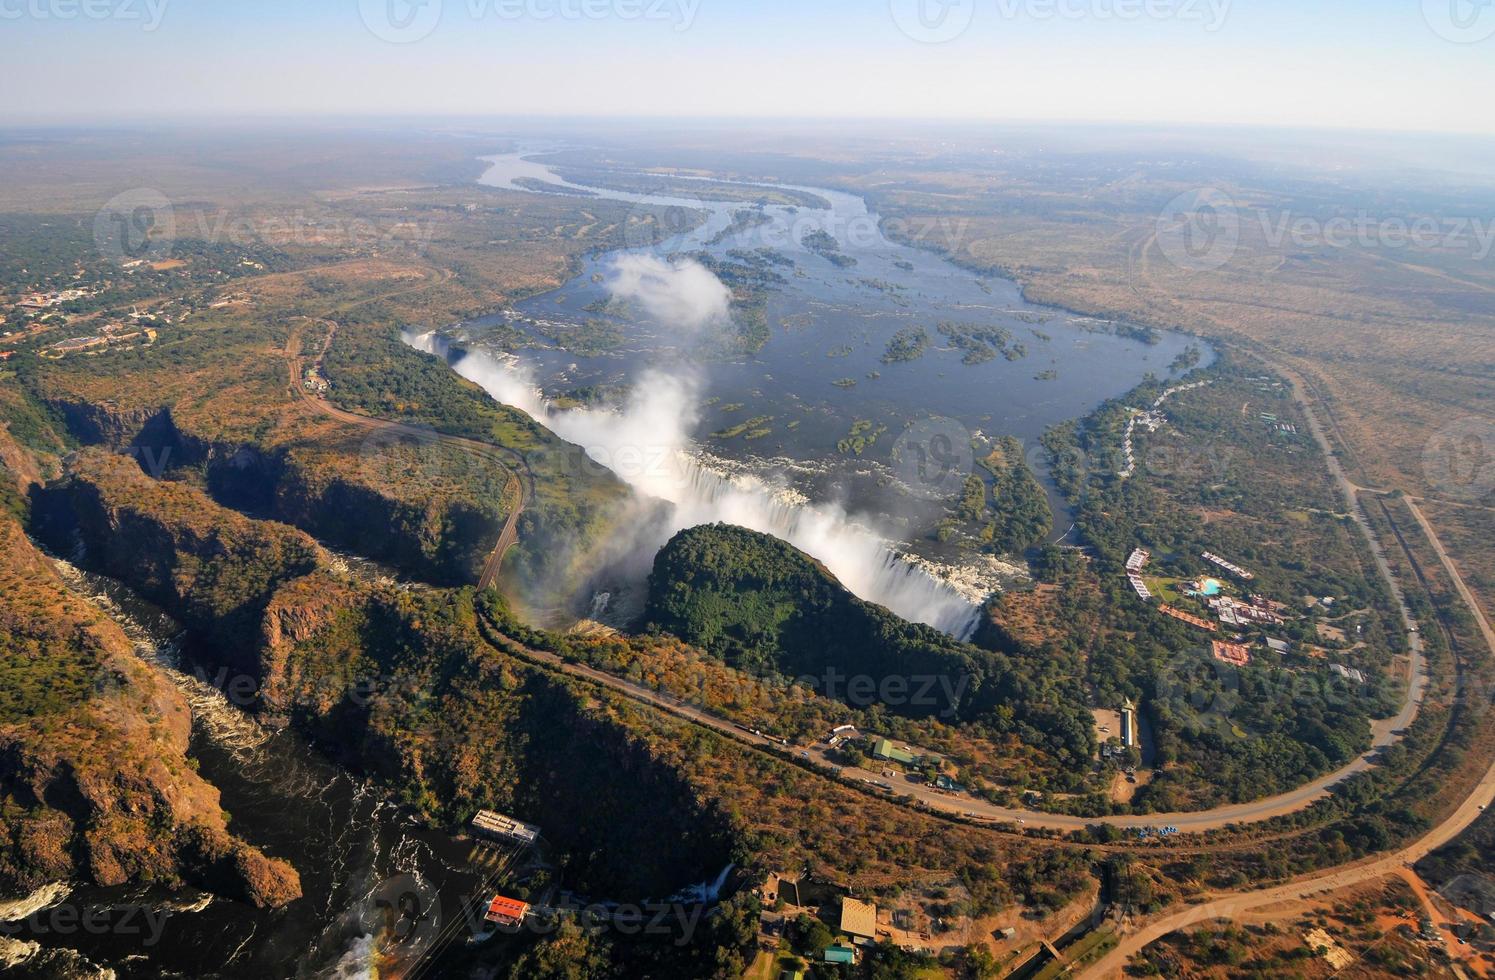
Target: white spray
(648, 446)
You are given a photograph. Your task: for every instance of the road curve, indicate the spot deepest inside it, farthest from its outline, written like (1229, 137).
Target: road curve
(963, 806)
(1228, 905)
(501, 455)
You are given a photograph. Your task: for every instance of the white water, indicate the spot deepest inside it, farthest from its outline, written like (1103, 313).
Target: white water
(226, 724)
(705, 893)
(15, 909)
(647, 445)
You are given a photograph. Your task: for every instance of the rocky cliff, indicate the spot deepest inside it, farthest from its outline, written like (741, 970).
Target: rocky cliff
(94, 775)
(212, 567)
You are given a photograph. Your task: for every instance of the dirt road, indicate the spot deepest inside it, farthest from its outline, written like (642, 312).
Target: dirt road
(511, 460)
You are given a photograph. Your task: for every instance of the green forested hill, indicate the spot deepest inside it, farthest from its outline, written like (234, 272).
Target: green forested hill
(763, 606)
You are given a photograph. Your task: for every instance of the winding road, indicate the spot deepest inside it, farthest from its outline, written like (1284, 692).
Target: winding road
(1233, 904)
(968, 808)
(521, 481)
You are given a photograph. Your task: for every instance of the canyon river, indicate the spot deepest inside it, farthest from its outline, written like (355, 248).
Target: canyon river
(362, 857)
(797, 471)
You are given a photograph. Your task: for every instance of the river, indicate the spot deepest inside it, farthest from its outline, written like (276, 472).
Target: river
(818, 436)
(359, 854)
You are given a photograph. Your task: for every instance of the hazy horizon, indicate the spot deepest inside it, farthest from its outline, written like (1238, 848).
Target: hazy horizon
(1381, 66)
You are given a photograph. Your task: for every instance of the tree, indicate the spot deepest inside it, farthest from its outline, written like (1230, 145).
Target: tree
(571, 954)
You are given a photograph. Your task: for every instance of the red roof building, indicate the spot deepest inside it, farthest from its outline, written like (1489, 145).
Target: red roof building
(506, 911)
(1232, 653)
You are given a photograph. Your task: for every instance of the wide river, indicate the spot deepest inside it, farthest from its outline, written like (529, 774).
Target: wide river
(771, 438)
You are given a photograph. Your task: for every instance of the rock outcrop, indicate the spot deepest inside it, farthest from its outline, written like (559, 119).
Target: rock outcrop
(213, 567)
(94, 774)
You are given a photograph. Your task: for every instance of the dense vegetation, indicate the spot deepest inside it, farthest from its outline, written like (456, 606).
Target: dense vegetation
(95, 782)
(982, 342)
(766, 608)
(907, 344)
(215, 568)
(1231, 485)
(573, 498)
(824, 244)
(1018, 515)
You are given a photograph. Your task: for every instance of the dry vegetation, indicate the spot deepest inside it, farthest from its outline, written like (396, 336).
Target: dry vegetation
(1399, 342)
(1370, 931)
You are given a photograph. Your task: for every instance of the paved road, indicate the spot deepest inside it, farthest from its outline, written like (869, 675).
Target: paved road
(981, 811)
(1228, 906)
(1453, 573)
(1234, 904)
(964, 806)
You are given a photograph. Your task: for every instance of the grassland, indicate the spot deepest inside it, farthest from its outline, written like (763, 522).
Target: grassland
(1397, 340)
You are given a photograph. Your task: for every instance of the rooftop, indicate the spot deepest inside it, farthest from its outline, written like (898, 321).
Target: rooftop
(858, 918)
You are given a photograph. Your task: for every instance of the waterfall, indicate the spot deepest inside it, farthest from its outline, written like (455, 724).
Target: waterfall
(648, 446)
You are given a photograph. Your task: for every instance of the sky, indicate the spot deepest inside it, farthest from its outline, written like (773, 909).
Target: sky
(1404, 65)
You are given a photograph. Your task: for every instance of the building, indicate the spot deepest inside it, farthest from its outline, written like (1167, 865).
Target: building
(506, 911)
(1230, 567)
(1348, 673)
(1129, 725)
(1235, 654)
(943, 782)
(1137, 560)
(1184, 617)
(1234, 612)
(1140, 587)
(496, 825)
(840, 954)
(883, 749)
(859, 919)
(1277, 646)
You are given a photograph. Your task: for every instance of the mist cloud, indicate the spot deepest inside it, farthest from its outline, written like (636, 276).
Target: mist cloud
(683, 293)
(648, 445)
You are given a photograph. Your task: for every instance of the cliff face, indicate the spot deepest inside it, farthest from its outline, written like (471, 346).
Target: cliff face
(437, 533)
(210, 565)
(429, 511)
(104, 423)
(402, 686)
(93, 769)
(761, 604)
